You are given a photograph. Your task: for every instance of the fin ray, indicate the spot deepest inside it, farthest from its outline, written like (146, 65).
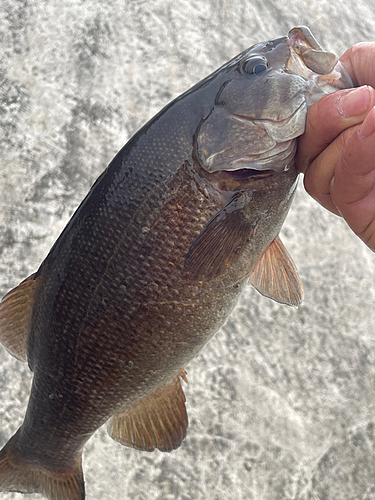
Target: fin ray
(15, 315)
(157, 421)
(276, 276)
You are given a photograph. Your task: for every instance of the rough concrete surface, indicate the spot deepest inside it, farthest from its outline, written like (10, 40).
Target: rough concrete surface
(281, 401)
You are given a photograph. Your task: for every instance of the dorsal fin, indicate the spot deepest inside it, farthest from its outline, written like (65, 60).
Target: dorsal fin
(276, 276)
(157, 421)
(15, 315)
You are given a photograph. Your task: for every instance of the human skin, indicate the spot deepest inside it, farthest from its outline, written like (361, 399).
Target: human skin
(337, 151)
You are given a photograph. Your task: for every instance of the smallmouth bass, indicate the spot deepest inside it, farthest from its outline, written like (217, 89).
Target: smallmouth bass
(154, 260)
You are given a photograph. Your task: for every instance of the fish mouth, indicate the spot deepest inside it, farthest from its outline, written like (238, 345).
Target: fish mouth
(305, 46)
(308, 59)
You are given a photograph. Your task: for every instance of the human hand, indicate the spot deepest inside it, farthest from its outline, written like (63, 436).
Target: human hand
(337, 151)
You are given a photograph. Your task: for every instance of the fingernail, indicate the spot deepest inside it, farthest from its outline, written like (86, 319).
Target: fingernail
(355, 102)
(368, 126)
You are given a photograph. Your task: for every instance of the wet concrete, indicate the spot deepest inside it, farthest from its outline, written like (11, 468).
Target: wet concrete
(281, 401)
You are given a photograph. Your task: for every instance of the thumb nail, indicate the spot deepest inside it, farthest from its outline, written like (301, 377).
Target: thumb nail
(354, 102)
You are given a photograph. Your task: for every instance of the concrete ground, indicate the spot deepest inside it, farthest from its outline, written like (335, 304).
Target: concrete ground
(282, 401)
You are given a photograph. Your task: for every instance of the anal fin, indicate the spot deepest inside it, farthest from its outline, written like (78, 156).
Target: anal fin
(276, 276)
(15, 315)
(157, 421)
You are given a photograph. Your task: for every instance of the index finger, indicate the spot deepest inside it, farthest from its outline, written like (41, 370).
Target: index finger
(358, 60)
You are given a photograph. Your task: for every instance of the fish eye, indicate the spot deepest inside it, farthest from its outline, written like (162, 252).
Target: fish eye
(255, 65)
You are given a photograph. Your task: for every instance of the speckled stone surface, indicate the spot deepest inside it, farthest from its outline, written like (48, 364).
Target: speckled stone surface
(281, 401)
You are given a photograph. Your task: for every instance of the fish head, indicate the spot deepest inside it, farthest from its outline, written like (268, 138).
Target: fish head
(245, 145)
(261, 106)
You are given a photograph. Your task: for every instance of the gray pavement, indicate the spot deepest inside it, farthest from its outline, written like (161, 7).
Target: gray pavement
(282, 401)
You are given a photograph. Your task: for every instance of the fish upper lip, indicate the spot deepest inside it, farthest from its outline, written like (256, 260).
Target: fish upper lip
(302, 34)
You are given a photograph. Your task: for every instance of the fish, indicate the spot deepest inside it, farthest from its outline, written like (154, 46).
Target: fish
(154, 260)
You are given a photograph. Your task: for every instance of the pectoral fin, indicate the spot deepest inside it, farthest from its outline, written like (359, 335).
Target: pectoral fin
(15, 315)
(157, 421)
(221, 242)
(276, 275)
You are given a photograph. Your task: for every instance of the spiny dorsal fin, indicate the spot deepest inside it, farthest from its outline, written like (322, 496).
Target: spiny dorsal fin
(15, 315)
(157, 421)
(276, 276)
(221, 242)
(17, 474)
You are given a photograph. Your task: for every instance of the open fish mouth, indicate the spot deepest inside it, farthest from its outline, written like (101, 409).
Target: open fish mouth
(304, 44)
(308, 59)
